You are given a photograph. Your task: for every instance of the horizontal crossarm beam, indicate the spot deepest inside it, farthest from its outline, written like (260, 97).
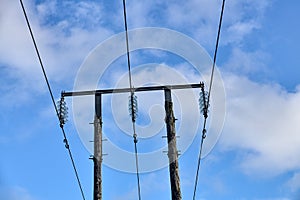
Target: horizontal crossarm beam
(138, 89)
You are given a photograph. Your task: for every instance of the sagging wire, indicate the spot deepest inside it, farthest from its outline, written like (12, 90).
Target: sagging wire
(205, 99)
(61, 114)
(132, 103)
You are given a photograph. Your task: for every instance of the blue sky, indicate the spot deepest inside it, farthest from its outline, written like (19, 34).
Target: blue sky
(257, 153)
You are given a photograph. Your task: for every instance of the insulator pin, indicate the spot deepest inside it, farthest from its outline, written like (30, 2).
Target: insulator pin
(62, 111)
(133, 106)
(203, 102)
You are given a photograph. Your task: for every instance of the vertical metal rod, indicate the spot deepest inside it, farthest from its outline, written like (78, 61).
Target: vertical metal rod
(172, 148)
(97, 149)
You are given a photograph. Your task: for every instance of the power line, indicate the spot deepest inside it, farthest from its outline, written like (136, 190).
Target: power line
(206, 102)
(53, 101)
(132, 103)
(127, 45)
(216, 51)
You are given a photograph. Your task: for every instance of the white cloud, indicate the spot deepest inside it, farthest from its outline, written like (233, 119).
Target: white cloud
(15, 193)
(243, 62)
(235, 33)
(63, 45)
(294, 182)
(200, 19)
(262, 121)
(241, 18)
(66, 31)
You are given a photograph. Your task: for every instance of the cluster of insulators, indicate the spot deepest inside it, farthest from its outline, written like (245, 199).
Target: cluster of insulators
(133, 106)
(203, 102)
(62, 111)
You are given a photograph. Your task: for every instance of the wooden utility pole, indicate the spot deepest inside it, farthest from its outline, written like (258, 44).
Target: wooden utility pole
(172, 148)
(171, 133)
(97, 148)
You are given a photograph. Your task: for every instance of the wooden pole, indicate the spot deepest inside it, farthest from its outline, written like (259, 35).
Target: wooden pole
(97, 149)
(172, 148)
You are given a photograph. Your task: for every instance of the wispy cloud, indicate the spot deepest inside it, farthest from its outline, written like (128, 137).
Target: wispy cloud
(294, 183)
(247, 63)
(15, 193)
(63, 44)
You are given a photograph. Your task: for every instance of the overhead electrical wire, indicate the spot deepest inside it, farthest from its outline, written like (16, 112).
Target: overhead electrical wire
(206, 101)
(65, 140)
(216, 50)
(132, 102)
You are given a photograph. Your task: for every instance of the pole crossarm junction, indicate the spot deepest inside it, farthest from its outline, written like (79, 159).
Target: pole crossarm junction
(138, 89)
